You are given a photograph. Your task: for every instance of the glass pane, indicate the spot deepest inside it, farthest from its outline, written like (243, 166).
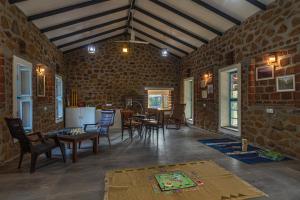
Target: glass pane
(234, 122)
(25, 82)
(58, 87)
(59, 108)
(26, 114)
(155, 101)
(234, 85)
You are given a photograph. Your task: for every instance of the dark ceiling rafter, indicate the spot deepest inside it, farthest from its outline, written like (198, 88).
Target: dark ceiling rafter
(91, 37)
(217, 11)
(83, 46)
(64, 9)
(165, 34)
(15, 1)
(160, 41)
(132, 5)
(195, 21)
(258, 4)
(88, 29)
(76, 21)
(171, 25)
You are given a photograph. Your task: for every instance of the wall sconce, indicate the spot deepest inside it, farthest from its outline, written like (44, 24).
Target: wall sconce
(125, 50)
(40, 70)
(91, 49)
(272, 59)
(164, 52)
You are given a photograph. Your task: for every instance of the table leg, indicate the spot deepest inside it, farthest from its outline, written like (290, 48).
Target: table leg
(74, 151)
(95, 145)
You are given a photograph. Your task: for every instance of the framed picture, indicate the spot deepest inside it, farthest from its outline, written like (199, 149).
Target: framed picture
(210, 89)
(285, 83)
(41, 85)
(204, 94)
(264, 72)
(203, 84)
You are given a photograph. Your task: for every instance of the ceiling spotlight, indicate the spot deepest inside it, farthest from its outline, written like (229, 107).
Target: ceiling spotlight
(164, 52)
(91, 49)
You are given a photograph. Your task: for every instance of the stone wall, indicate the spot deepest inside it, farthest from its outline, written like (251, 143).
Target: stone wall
(21, 38)
(275, 30)
(110, 75)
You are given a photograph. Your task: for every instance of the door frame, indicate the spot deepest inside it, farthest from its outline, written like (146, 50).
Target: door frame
(18, 63)
(193, 98)
(227, 69)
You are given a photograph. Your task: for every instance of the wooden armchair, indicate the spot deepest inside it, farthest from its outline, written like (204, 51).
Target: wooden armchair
(33, 143)
(130, 123)
(177, 117)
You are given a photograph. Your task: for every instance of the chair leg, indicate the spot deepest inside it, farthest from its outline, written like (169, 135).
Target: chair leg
(122, 133)
(131, 133)
(163, 128)
(108, 140)
(157, 132)
(49, 154)
(21, 159)
(63, 151)
(34, 157)
(79, 145)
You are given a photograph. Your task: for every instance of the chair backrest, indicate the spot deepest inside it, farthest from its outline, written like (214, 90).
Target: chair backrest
(107, 118)
(178, 111)
(17, 131)
(126, 114)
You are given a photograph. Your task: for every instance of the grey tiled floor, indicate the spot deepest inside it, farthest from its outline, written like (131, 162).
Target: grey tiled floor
(84, 179)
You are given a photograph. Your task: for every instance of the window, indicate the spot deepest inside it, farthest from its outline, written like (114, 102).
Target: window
(22, 92)
(160, 99)
(233, 100)
(59, 108)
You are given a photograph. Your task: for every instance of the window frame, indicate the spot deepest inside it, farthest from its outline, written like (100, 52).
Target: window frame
(232, 100)
(59, 119)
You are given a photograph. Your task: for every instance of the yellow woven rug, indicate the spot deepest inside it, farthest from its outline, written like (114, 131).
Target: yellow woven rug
(213, 183)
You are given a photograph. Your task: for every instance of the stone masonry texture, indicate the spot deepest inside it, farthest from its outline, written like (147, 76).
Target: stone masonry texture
(274, 31)
(21, 38)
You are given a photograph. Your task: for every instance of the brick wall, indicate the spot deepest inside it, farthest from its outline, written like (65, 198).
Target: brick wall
(275, 30)
(109, 75)
(21, 38)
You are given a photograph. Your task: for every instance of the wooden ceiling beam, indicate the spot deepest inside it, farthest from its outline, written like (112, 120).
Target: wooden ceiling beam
(258, 4)
(76, 21)
(88, 29)
(91, 37)
(171, 25)
(217, 11)
(166, 34)
(64, 9)
(160, 41)
(187, 17)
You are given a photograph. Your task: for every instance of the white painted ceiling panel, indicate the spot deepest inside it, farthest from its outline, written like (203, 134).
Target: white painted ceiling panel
(89, 33)
(168, 29)
(86, 24)
(175, 19)
(163, 38)
(240, 9)
(201, 14)
(154, 42)
(92, 40)
(79, 13)
(32, 7)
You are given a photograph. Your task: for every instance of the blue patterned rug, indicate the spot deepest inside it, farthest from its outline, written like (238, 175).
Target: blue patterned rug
(233, 148)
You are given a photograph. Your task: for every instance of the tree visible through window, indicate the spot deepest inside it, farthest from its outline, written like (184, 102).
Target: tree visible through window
(159, 99)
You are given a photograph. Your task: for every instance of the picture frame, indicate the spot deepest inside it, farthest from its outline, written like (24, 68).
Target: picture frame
(210, 88)
(204, 94)
(265, 72)
(41, 90)
(285, 83)
(202, 83)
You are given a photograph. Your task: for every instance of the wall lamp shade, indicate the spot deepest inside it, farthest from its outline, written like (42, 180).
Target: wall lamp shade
(272, 58)
(125, 50)
(164, 52)
(91, 49)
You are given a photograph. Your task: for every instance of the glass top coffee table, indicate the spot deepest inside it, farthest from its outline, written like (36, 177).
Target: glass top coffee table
(76, 136)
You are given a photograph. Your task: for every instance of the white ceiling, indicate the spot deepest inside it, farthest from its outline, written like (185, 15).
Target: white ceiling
(175, 29)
